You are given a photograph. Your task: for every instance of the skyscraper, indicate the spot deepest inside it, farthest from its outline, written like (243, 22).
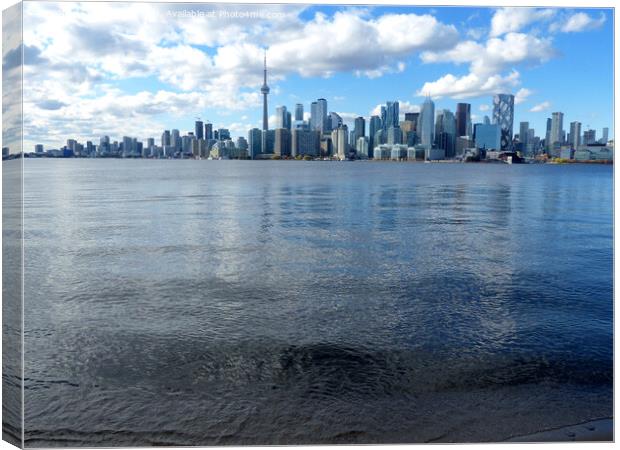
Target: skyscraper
(605, 137)
(208, 131)
(503, 115)
(342, 142)
(281, 117)
(523, 133)
(589, 137)
(373, 127)
(282, 145)
(299, 111)
(575, 135)
(254, 142)
(359, 130)
(394, 135)
(305, 142)
(391, 115)
(165, 138)
(446, 132)
(265, 91)
(426, 123)
(463, 119)
(175, 140)
(318, 115)
(557, 128)
(199, 130)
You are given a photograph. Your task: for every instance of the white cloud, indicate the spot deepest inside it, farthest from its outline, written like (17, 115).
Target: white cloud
(507, 20)
(579, 22)
(522, 95)
(484, 107)
(469, 86)
(351, 43)
(544, 106)
(486, 64)
(81, 50)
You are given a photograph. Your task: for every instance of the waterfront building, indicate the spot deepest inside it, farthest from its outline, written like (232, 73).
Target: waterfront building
(175, 139)
(463, 143)
(394, 135)
(269, 138)
(427, 123)
(165, 138)
(382, 152)
(359, 130)
(282, 146)
(605, 137)
(283, 118)
(378, 139)
(199, 129)
(589, 137)
(254, 142)
(548, 134)
(557, 128)
(435, 154)
(241, 143)
(503, 115)
(398, 152)
(463, 119)
(38, 148)
(488, 137)
(208, 131)
(341, 144)
(199, 148)
(318, 115)
(574, 135)
(446, 130)
(594, 152)
(390, 115)
(362, 147)
(373, 127)
(127, 146)
(523, 133)
(305, 142)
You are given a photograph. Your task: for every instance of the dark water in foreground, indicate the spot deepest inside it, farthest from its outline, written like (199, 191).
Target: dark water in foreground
(225, 302)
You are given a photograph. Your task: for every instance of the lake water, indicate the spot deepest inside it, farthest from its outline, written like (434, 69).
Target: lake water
(277, 302)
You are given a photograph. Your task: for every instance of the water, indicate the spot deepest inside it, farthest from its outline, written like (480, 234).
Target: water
(237, 302)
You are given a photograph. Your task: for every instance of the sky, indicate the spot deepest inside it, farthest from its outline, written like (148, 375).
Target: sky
(135, 69)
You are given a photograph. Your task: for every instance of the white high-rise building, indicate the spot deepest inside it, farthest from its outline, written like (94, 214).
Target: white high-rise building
(342, 144)
(362, 147)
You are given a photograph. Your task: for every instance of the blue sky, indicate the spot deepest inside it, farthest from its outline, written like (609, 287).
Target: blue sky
(136, 68)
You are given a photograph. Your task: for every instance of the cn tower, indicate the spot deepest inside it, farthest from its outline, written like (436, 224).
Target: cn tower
(265, 91)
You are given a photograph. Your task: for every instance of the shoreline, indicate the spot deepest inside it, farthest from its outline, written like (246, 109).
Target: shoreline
(598, 430)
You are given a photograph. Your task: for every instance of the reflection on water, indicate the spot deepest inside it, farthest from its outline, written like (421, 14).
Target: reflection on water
(224, 302)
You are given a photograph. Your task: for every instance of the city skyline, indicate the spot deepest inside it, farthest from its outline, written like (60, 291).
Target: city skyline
(111, 78)
(425, 135)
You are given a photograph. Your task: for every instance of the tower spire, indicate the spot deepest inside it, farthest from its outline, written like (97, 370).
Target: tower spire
(265, 67)
(265, 90)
